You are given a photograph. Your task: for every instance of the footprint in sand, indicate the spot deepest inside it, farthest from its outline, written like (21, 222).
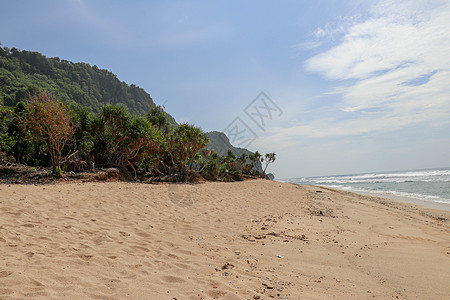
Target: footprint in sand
(85, 257)
(172, 279)
(5, 274)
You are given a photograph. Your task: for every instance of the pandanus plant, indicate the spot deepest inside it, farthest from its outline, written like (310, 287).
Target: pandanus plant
(184, 142)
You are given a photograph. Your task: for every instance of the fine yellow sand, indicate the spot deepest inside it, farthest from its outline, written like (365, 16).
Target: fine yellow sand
(248, 240)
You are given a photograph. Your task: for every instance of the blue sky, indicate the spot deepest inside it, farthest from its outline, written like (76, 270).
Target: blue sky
(361, 86)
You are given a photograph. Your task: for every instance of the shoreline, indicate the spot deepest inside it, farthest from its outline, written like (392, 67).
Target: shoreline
(428, 204)
(438, 212)
(403, 199)
(430, 188)
(410, 200)
(244, 240)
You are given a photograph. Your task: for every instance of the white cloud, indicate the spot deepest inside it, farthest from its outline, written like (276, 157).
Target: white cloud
(329, 32)
(399, 43)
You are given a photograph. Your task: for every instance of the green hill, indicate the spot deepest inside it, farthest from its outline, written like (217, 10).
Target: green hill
(220, 143)
(24, 72)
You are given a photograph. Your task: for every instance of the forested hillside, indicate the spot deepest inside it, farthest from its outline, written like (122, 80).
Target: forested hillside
(96, 97)
(25, 72)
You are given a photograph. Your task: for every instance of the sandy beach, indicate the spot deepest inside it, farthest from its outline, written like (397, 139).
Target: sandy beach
(255, 239)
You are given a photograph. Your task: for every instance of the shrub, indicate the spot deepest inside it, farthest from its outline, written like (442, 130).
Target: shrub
(49, 121)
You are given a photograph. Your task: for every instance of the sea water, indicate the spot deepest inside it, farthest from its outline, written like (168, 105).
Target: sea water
(427, 185)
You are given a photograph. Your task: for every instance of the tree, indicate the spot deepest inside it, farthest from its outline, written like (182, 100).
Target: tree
(110, 129)
(231, 157)
(123, 140)
(49, 121)
(269, 158)
(18, 142)
(158, 118)
(4, 113)
(143, 141)
(184, 142)
(255, 160)
(82, 141)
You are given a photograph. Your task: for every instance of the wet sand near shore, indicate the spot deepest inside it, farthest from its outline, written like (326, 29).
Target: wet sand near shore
(426, 204)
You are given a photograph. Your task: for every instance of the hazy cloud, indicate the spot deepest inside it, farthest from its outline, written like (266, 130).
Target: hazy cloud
(394, 68)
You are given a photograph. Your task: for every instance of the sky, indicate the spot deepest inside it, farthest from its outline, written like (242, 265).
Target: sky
(330, 86)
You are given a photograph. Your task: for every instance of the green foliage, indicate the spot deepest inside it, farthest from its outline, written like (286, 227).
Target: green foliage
(144, 141)
(109, 127)
(210, 170)
(17, 142)
(226, 168)
(184, 142)
(230, 155)
(158, 118)
(120, 139)
(231, 168)
(115, 138)
(25, 72)
(82, 141)
(255, 157)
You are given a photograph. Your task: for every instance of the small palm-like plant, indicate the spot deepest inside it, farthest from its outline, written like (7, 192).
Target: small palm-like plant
(158, 118)
(124, 140)
(269, 158)
(183, 144)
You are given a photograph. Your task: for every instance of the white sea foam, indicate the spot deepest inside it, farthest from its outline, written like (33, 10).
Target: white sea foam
(442, 175)
(428, 185)
(398, 194)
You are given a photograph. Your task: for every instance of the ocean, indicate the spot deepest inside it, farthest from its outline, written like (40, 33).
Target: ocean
(431, 185)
